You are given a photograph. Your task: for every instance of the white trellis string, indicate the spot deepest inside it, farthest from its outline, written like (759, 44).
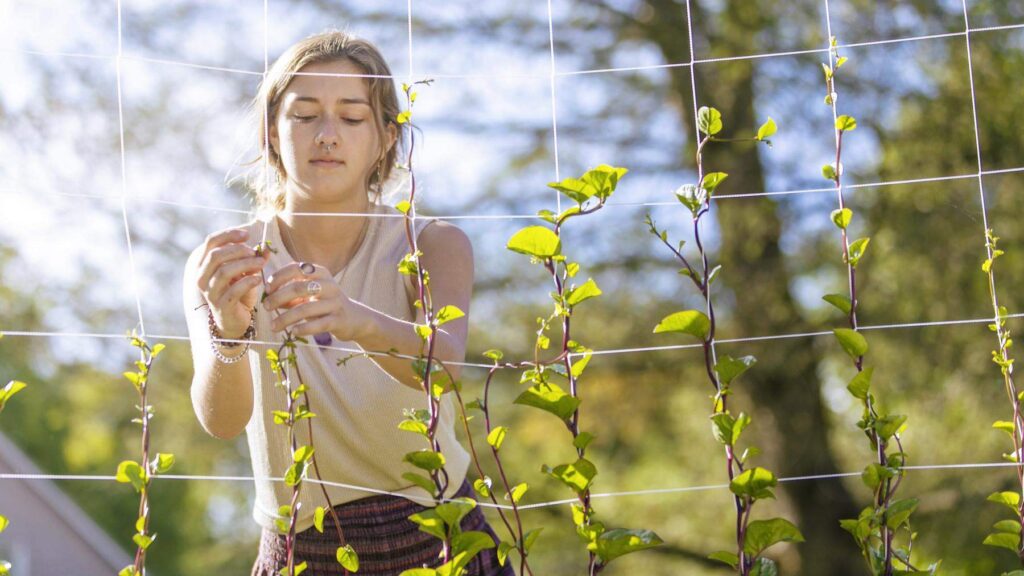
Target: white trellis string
(896, 326)
(482, 76)
(133, 278)
(554, 107)
(878, 184)
(534, 506)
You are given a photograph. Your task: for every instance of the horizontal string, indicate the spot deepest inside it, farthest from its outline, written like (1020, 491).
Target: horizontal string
(546, 504)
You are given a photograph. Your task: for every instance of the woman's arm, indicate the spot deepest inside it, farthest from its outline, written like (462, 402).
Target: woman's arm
(222, 394)
(448, 256)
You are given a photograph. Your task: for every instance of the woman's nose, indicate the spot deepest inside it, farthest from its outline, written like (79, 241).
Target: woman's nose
(329, 133)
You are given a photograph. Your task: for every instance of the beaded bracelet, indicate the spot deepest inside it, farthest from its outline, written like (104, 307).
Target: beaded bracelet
(215, 335)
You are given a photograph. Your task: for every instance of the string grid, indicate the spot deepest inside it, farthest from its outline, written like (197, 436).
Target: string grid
(552, 76)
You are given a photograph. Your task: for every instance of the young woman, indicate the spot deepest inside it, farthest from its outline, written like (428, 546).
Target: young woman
(330, 148)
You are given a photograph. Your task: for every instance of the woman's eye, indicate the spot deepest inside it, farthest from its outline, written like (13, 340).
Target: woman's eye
(353, 120)
(302, 118)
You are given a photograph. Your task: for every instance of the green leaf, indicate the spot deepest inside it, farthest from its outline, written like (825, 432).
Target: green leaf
(496, 437)
(861, 383)
(419, 572)
(453, 511)
(691, 196)
(1009, 499)
(709, 120)
(767, 129)
(12, 388)
(163, 463)
(874, 474)
(722, 425)
(890, 425)
(550, 398)
(712, 180)
(580, 362)
(143, 541)
(318, 519)
(841, 218)
(839, 301)
(131, 472)
(423, 331)
(852, 341)
(482, 487)
(857, 250)
(303, 454)
(588, 290)
(900, 511)
(4, 523)
(828, 171)
(471, 543)
(690, 322)
(583, 440)
(280, 416)
(762, 534)
(403, 117)
(600, 182)
(295, 473)
(126, 571)
(1010, 526)
(530, 537)
(539, 241)
(755, 483)
(348, 558)
(448, 313)
(425, 459)
(135, 378)
(729, 368)
(619, 542)
(846, 123)
(503, 549)
(764, 567)
(430, 522)
(421, 481)
(729, 558)
(1003, 540)
(518, 491)
(414, 426)
(577, 475)
(494, 354)
(403, 206)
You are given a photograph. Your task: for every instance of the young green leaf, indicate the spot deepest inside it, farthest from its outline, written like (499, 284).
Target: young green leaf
(852, 341)
(577, 475)
(839, 301)
(496, 437)
(841, 218)
(348, 558)
(846, 123)
(538, 241)
(762, 534)
(755, 483)
(448, 313)
(857, 249)
(712, 180)
(690, 322)
(619, 542)
(425, 459)
(860, 383)
(588, 290)
(550, 398)
(709, 120)
(767, 129)
(729, 368)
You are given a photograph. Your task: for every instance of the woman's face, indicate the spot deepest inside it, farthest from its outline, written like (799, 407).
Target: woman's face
(325, 134)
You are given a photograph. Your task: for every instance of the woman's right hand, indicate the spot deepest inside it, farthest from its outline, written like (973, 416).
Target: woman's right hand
(229, 279)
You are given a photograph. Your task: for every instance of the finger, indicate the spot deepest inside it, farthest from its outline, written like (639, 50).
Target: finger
(222, 255)
(232, 272)
(290, 272)
(223, 237)
(297, 291)
(314, 326)
(304, 311)
(237, 290)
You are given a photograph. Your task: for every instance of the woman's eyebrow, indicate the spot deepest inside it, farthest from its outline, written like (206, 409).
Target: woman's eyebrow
(340, 100)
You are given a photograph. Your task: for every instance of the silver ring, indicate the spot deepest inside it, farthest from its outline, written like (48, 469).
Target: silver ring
(307, 267)
(313, 288)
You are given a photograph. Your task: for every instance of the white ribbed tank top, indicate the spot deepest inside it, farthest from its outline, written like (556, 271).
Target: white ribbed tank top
(358, 405)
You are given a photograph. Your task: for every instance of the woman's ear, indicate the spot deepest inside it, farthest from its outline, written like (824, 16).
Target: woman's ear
(392, 135)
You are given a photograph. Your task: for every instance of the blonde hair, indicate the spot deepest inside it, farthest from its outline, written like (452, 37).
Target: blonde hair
(267, 170)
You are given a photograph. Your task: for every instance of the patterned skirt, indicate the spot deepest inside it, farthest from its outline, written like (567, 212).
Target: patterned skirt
(387, 542)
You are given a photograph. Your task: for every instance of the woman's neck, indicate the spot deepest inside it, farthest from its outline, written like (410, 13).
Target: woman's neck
(329, 241)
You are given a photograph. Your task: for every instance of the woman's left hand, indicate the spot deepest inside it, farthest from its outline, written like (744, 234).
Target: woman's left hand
(305, 310)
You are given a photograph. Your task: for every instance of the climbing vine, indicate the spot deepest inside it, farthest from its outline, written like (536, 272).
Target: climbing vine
(876, 527)
(1006, 533)
(140, 475)
(6, 393)
(748, 485)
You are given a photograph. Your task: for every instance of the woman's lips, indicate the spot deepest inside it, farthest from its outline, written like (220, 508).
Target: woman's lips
(327, 163)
